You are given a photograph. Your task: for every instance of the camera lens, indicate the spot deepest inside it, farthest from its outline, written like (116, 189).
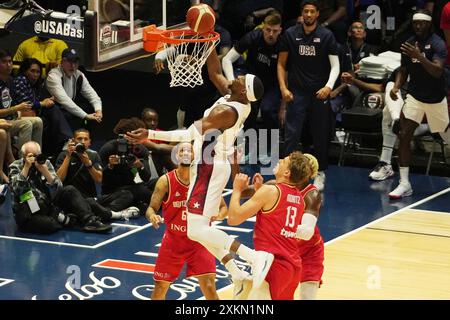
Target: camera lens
(80, 148)
(41, 159)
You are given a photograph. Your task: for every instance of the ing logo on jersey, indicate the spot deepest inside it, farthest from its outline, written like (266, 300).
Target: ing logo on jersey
(305, 50)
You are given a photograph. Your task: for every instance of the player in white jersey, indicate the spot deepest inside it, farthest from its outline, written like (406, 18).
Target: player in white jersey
(214, 136)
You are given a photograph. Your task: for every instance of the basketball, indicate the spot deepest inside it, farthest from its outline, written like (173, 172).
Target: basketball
(201, 18)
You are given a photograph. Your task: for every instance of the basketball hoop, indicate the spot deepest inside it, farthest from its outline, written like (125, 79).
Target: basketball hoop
(187, 52)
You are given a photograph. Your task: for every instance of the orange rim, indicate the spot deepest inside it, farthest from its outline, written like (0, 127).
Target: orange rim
(172, 36)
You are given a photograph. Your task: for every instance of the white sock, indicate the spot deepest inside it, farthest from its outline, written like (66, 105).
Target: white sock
(308, 290)
(404, 175)
(388, 147)
(116, 215)
(246, 253)
(232, 267)
(63, 219)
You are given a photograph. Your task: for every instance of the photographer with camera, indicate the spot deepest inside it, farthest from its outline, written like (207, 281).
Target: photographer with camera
(41, 204)
(126, 165)
(81, 167)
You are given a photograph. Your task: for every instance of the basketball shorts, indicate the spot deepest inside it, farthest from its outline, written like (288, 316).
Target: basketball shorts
(205, 191)
(175, 252)
(437, 113)
(312, 262)
(283, 278)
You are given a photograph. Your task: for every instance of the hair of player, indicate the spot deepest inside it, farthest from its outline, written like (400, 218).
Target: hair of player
(273, 18)
(313, 163)
(300, 167)
(309, 2)
(258, 88)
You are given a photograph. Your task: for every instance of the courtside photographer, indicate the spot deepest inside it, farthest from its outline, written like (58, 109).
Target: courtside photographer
(126, 165)
(41, 204)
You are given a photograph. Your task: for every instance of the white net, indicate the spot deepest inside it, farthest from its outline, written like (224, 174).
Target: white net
(186, 59)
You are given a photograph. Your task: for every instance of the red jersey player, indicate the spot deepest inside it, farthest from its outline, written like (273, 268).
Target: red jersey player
(176, 249)
(279, 209)
(311, 244)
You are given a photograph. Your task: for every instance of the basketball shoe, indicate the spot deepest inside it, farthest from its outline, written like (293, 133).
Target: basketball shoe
(382, 171)
(404, 189)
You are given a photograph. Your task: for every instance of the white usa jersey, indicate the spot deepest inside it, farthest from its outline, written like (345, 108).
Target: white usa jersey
(223, 144)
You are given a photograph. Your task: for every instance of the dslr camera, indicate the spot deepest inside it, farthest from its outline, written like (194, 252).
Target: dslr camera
(127, 152)
(126, 158)
(41, 159)
(80, 148)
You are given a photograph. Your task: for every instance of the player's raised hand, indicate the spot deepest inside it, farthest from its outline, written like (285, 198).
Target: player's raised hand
(257, 181)
(241, 182)
(137, 135)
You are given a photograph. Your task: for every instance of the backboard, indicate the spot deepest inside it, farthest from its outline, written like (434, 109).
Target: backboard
(107, 32)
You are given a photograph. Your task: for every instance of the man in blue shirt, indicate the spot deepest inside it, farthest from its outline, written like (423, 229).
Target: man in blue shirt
(308, 59)
(423, 58)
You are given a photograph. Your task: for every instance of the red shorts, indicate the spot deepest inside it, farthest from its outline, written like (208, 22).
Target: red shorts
(175, 251)
(312, 262)
(283, 278)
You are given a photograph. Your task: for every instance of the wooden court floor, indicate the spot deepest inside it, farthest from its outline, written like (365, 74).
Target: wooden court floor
(405, 255)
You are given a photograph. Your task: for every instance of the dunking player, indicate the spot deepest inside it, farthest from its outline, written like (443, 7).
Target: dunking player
(176, 249)
(279, 209)
(311, 246)
(214, 136)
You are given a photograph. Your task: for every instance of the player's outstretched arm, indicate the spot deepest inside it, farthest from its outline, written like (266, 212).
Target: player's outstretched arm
(238, 213)
(158, 196)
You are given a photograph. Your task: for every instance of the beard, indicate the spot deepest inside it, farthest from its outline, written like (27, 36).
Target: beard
(307, 23)
(185, 165)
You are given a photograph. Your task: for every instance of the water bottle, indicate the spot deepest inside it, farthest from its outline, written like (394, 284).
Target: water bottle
(3, 192)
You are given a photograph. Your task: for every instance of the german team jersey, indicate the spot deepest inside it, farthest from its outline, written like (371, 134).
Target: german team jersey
(275, 229)
(174, 208)
(316, 238)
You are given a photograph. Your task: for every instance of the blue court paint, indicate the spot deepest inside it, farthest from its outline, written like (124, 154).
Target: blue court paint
(52, 271)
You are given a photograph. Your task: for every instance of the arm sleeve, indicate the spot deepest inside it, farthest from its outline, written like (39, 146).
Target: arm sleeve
(227, 63)
(56, 89)
(175, 135)
(334, 73)
(305, 230)
(90, 94)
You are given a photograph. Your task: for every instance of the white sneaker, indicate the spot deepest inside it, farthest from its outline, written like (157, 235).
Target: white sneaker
(382, 171)
(242, 287)
(261, 267)
(131, 212)
(319, 181)
(403, 190)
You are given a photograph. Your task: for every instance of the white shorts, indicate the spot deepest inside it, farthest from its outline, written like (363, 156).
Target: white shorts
(437, 113)
(206, 187)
